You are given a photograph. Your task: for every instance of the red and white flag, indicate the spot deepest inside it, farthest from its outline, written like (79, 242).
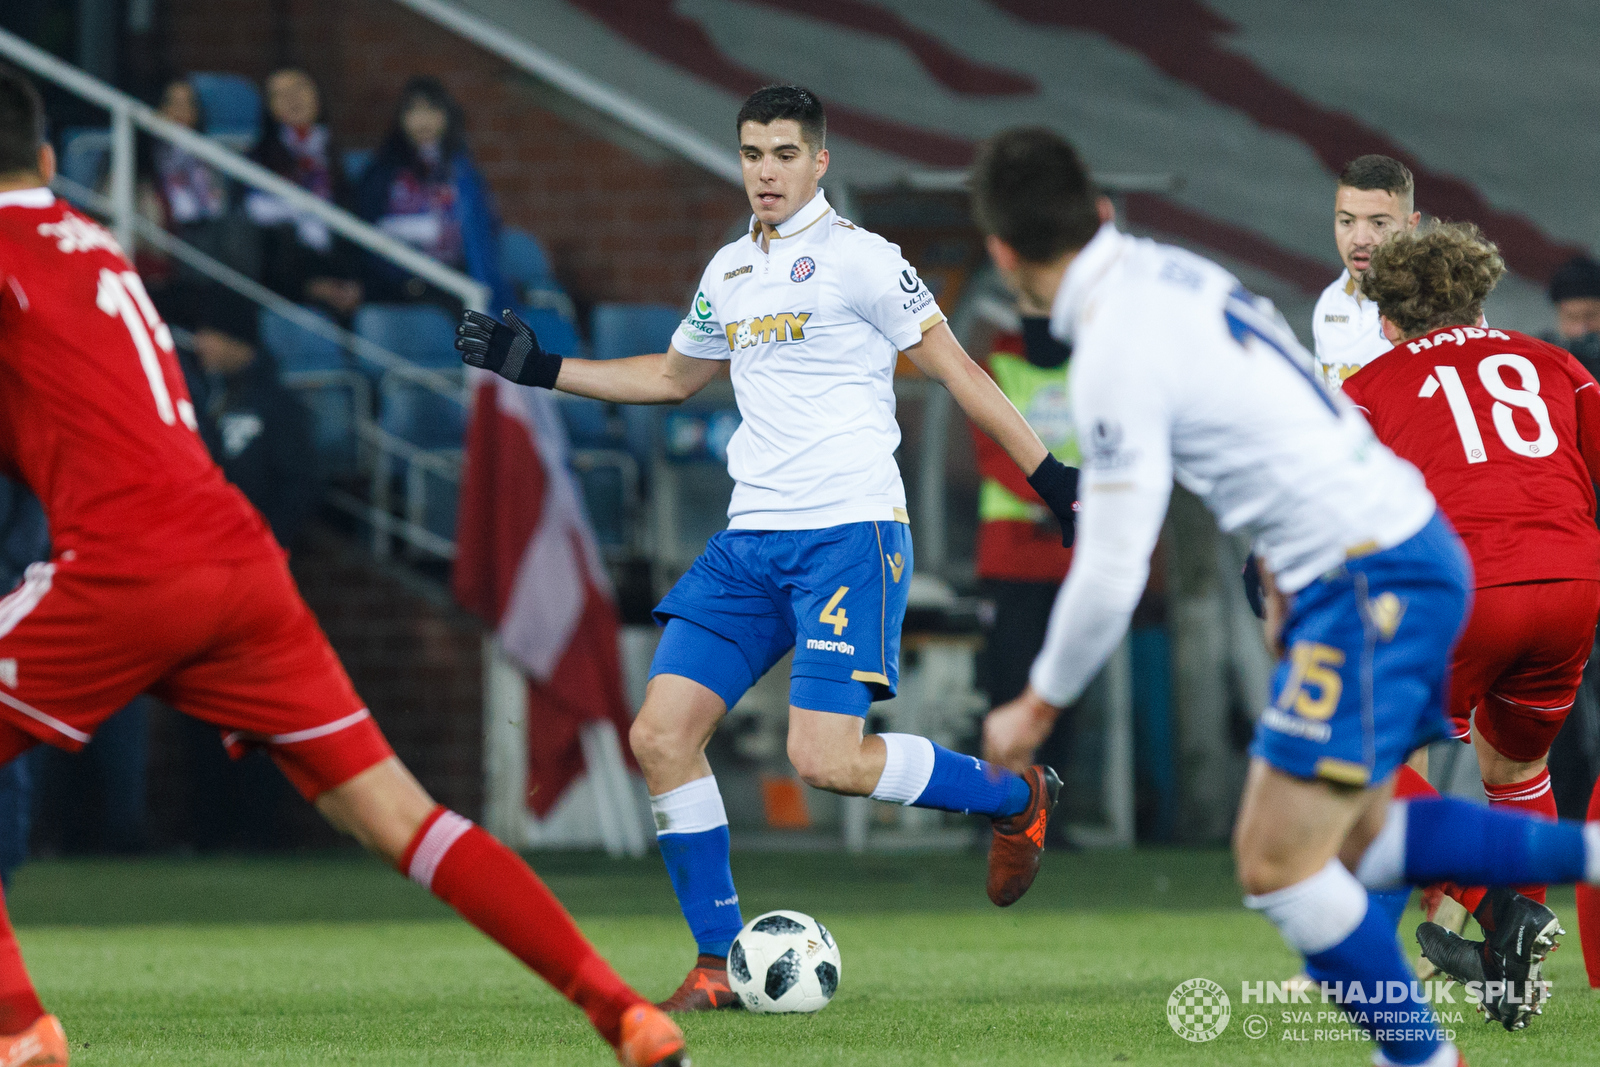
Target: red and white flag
(528, 565)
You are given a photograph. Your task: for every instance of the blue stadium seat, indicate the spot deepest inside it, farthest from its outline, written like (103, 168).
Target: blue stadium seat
(232, 107)
(331, 406)
(421, 333)
(620, 330)
(86, 155)
(355, 163)
(523, 261)
(298, 349)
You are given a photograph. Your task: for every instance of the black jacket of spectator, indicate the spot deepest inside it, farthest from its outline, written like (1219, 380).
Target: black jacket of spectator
(288, 261)
(265, 445)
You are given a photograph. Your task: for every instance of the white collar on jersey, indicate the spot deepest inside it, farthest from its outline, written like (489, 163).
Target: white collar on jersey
(803, 219)
(1080, 278)
(38, 196)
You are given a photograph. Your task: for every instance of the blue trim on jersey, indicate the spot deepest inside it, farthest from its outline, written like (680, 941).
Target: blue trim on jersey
(1239, 328)
(1369, 647)
(837, 596)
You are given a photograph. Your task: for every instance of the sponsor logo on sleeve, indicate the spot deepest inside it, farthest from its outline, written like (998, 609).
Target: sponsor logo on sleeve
(761, 329)
(803, 268)
(701, 315)
(909, 282)
(919, 298)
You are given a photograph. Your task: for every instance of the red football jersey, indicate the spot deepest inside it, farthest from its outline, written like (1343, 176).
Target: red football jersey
(94, 414)
(1506, 430)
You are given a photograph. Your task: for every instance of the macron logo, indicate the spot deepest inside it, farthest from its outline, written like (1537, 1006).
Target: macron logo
(831, 646)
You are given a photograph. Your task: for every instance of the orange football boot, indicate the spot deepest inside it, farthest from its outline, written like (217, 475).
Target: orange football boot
(44, 1044)
(649, 1039)
(705, 989)
(1019, 839)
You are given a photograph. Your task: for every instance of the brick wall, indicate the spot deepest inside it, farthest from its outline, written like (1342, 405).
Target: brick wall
(621, 225)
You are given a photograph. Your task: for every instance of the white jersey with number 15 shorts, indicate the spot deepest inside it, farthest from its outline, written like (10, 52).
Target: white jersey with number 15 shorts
(1179, 373)
(812, 329)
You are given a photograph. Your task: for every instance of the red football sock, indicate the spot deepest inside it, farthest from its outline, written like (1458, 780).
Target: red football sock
(496, 892)
(1409, 785)
(19, 1004)
(1535, 797)
(1589, 909)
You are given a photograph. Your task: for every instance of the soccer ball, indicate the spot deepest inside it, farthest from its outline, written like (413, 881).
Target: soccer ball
(784, 961)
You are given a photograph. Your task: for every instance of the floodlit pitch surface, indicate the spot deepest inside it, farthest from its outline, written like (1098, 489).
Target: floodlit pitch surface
(337, 961)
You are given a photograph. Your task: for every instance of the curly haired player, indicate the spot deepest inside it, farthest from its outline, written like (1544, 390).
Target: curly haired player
(1506, 431)
(165, 580)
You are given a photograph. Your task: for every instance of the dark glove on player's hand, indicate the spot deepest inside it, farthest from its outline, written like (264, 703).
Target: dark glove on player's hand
(1057, 485)
(1253, 591)
(508, 348)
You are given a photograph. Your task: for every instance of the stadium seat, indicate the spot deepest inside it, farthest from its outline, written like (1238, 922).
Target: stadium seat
(231, 104)
(523, 261)
(86, 155)
(355, 163)
(421, 333)
(621, 330)
(303, 358)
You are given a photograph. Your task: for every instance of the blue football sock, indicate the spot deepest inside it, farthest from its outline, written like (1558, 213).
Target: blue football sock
(921, 774)
(1391, 902)
(1371, 979)
(692, 831)
(1449, 840)
(1350, 948)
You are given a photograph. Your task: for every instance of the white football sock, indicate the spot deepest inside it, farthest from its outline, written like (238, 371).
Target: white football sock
(1315, 914)
(689, 809)
(906, 769)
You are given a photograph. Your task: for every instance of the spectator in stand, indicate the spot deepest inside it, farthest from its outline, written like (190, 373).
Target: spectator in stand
(261, 435)
(1021, 562)
(301, 259)
(257, 431)
(192, 201)
(1575, 292)
(423, 189)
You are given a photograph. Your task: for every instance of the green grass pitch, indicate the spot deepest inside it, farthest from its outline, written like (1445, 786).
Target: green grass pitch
(335, 960)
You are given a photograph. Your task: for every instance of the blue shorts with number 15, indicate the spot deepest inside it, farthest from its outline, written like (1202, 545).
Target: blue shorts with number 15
(837, 596)
(1365, 678)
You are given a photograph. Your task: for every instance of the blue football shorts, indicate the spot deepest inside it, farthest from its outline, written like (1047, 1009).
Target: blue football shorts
(837, 596)
(1364, 680)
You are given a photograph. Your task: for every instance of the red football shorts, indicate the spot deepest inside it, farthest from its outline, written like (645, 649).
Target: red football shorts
(229, 643)
(1519, 663)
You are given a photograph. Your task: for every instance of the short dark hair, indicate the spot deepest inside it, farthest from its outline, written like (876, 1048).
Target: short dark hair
(1030, 190)
(768, 105)
(21, 123)
(1379, 172)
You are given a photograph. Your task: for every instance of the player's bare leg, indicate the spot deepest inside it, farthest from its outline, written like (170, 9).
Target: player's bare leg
(1288, 843)
(389, 812)
(669, 737)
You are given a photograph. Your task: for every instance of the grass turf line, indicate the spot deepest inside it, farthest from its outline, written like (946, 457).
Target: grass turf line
(335, 960)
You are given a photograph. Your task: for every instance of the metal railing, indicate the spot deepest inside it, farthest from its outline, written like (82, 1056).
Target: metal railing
(379, 454)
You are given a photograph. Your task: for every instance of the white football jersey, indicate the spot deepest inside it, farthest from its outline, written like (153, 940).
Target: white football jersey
(1345, 331)
(812, 328)
(1179, 373)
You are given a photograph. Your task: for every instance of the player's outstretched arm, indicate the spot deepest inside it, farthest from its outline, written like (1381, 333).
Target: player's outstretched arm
(511, 349)
(940, 356)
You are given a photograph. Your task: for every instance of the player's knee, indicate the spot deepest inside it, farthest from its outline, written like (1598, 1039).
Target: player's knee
(656, 742)
(820, 767)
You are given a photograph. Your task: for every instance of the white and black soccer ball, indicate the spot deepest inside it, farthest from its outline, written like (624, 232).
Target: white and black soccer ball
(784, 961)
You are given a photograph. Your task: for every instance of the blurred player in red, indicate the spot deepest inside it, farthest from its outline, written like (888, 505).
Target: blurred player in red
(1506, 430)
(165, 580)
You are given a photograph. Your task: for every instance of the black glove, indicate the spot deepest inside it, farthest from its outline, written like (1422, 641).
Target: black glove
(508, 348)
(1057, 485)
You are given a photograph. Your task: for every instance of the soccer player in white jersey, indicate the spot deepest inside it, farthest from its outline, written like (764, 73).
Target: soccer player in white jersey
(810, 311)
(1179, 373)
(1375, 200)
